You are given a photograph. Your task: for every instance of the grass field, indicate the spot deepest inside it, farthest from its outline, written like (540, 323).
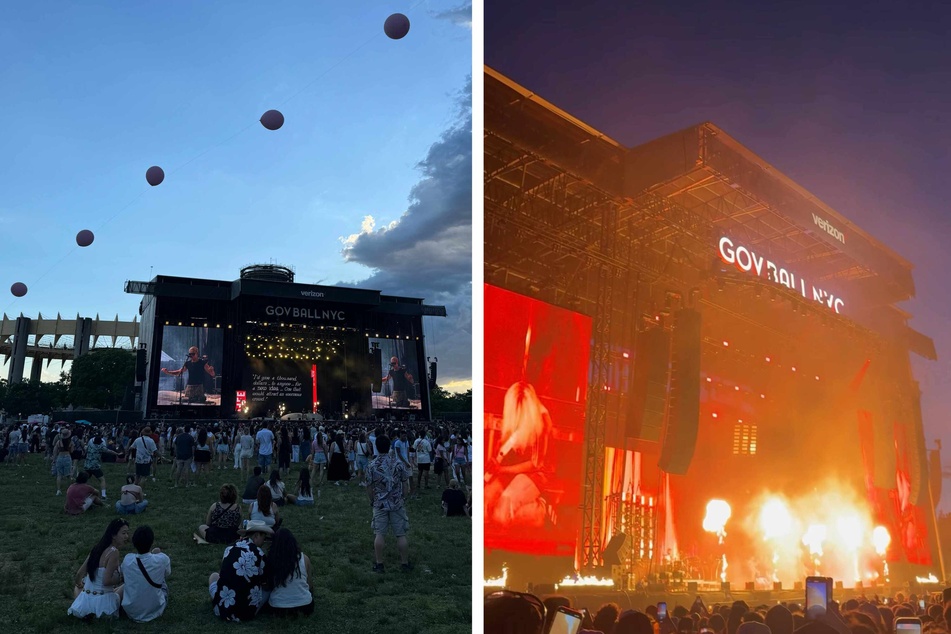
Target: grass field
(42, 548)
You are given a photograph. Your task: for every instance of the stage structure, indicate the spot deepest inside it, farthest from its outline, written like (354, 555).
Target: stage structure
(745, 346)
(45, 339)
(263, 345)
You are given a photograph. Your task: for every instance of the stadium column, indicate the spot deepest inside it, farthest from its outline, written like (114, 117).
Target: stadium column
(83, 333)
(18, 361)
(36, 369)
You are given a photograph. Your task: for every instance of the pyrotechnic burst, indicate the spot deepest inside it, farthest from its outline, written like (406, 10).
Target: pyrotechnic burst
(851, 532)
(880, 540)
(815, 535)
(718, 512)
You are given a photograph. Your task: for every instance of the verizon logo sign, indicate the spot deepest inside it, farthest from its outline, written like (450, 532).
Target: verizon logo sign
(827, 226)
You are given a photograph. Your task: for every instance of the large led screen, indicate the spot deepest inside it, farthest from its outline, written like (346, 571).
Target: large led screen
(536, 371)
(190, 368)
(280, 386)
(398, 384)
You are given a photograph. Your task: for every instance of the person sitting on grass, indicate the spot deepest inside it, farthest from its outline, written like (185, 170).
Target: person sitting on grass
(454, 501)
(288, 576)
(263, 509)
(278, 494)
(251, 488)
(237, 591)
(131, 500)
(80, 496)
(97, 579)
(144, 592)
(305, 495)
(223, 518)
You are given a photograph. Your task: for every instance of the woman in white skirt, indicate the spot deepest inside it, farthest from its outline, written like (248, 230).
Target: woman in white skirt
(97, 589)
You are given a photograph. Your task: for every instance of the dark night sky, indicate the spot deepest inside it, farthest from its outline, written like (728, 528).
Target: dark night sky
(850, 101)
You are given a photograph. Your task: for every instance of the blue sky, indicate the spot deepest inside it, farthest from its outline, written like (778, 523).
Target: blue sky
(96, 92)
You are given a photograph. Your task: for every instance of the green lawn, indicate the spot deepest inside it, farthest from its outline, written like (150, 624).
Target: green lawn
(42, 548)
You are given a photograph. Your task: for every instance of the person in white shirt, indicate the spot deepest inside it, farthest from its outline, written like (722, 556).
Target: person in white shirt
(247, 450)
(265, 440)
(288, 570)
(145, 593)
(144, 449)
(423, 447)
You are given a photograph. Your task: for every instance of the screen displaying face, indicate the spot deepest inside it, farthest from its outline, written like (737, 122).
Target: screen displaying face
(536, 377)
(399, 381)
(189, 373)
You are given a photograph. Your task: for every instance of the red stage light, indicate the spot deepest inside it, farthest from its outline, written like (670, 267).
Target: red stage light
(625, 355)
(714, 414)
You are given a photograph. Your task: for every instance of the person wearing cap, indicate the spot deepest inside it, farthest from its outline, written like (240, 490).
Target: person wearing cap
(237, 591)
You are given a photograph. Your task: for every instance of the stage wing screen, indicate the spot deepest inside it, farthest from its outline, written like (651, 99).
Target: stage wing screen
(397, 385)
(190, 366)
(536, 371)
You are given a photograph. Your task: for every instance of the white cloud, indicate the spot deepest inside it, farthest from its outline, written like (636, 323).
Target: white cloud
(427, 251)
(460, 16)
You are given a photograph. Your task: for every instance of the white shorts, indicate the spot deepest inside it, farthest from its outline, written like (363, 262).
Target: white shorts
(87, 503)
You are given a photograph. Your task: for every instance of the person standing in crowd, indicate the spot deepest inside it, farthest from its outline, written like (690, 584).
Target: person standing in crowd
(284, 452)
(305, 438)
(265, 443)
(247, 451)
(131, 499)
(288, 572)
(401, 449)
(236, 444)
(144, 448)
(223, 446)
(184, 451)
(97, 580)
(424, 450)
(76, 452)
(94, 450)
(144, 592)
(363, 455)
(237, 591)
(203, 454)
(459, 458)
(386, 487)
(295, 446)
(337, 468)
(62, 461)
(441, 468)
(318, 457)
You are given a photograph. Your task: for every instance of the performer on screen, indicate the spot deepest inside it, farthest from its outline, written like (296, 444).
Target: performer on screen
(197, 368)
(402, 382)
(516, 477)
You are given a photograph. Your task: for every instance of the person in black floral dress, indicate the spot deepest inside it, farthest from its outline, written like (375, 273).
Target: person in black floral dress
(237, 592)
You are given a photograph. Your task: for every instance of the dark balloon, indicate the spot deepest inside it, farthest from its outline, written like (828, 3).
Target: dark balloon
(84, 238)
(18, 289)
(155, 175)
(272, 119)
(396, 26)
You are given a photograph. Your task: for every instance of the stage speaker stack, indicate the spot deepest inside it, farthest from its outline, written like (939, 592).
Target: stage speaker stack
(749, 586)
(797, 585)
(680, 438)
(140, 365)
(648, 386)
(777, 586)
(613, 553)
(692, 587)
(376, 365)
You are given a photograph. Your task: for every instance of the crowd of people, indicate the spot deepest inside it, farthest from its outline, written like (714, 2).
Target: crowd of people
(509, 612)
(284, 464)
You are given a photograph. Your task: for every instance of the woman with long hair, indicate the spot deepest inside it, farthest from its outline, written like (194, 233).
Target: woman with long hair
(97, 591)
(223, 518)
(288, 575)
(318, 456)
(515, 478)
(305, 495)
(441, 468)
(263, 508)
(364, 453)
(76, 452)
(223, 447)
(304, 444)
(278, 493)
(338, 470)
(459, 458)
(202, 455)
